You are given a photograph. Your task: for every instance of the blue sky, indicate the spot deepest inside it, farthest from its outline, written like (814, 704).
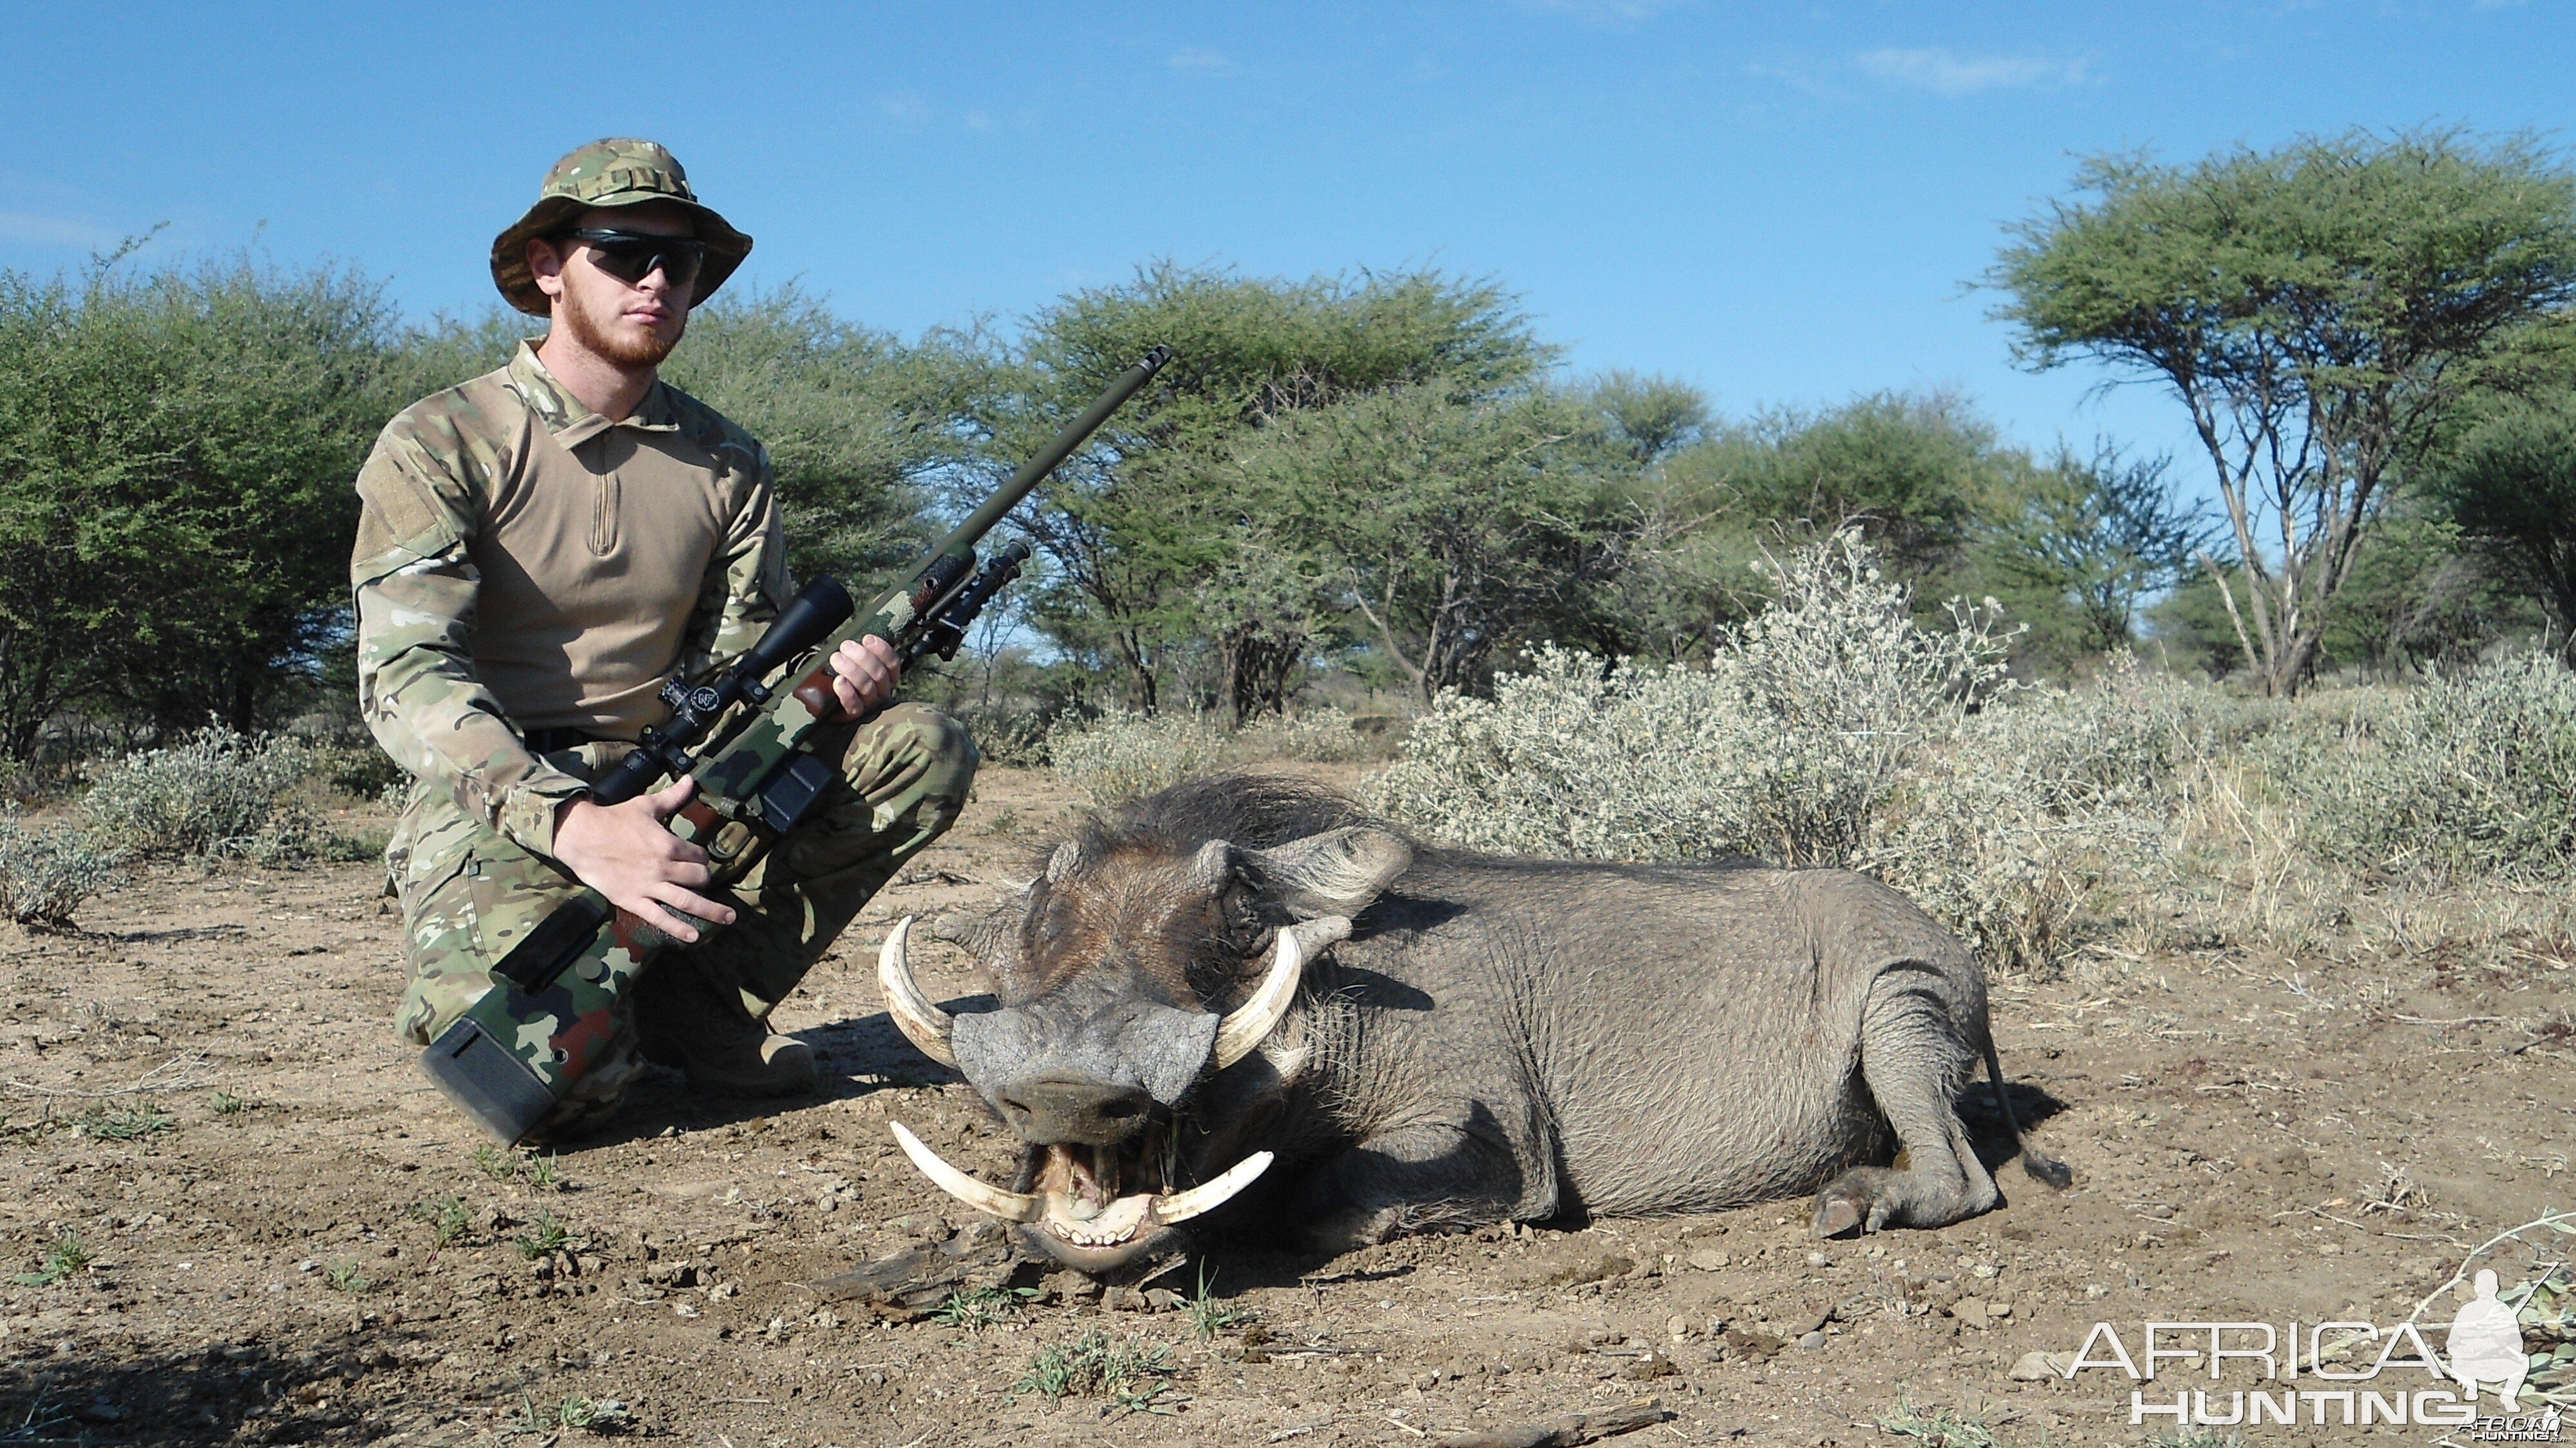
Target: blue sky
(1780, 203)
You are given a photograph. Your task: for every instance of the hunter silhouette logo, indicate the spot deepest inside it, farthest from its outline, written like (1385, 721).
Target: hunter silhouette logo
(2486, 1346)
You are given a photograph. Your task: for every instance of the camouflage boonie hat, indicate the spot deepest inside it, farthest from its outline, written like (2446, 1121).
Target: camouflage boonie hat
(614, 172)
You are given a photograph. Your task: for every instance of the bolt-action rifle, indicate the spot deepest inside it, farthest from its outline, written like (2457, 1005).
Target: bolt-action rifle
(522, 1046)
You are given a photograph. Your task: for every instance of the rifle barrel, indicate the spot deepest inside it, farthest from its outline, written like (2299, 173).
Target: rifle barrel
(1034, 471)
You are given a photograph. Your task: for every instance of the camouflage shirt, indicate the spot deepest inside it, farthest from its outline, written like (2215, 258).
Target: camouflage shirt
(524, 563)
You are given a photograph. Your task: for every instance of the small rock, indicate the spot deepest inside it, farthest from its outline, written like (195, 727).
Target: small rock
(1752, 1342)
(1819, 1259)
(1648, 1368)
(1812, 1341)
(1707, 1260)
(1999, 1309)
(2039, 1367)
(1970, 1311)
(1678, 1328)
(722, 1290)
(307, 1265)
(1578, 1266)
(2329, 1249)
(1985, 1269)
(1163, 1299)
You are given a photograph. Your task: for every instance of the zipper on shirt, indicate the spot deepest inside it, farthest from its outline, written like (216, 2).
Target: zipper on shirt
(603, 517)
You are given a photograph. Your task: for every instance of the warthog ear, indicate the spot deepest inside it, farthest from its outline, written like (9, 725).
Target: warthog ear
(1212, 867)
(1335, 873)
(1066, 859)
(987, 935)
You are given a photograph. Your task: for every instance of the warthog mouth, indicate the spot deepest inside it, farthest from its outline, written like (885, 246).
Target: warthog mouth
(1077, 1209)
(1093, 1207)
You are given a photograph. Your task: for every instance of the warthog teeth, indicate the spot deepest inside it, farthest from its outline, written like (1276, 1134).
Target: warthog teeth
(925, 1025)
(1208, 1196)
(1047, 1211)
(1249, 1024)
(1009, 1206)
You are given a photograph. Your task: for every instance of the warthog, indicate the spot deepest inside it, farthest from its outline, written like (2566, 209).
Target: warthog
(1238, 972)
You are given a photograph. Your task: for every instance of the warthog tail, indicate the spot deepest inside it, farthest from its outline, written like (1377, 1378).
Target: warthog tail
(2041, 1166)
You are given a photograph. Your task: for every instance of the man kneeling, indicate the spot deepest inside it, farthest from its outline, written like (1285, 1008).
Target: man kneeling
(538, 550)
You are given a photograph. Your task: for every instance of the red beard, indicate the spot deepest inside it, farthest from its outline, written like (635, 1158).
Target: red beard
(622, 344)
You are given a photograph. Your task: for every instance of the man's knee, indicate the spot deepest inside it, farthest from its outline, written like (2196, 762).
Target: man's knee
(945, 750)
(911, 766)
(460, 916)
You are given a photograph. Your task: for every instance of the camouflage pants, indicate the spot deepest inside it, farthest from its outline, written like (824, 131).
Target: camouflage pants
(468, 892)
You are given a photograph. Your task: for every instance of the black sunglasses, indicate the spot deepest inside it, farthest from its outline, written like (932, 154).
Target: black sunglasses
(631, 256)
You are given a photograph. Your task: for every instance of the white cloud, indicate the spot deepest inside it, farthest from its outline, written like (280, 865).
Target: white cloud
(1945, 73)
(905, 111)
(41, 230)
(1200, 62)
(1597, 12)
(1798, 78)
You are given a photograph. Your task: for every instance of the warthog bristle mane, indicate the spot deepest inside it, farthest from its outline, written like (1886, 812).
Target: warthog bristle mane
(1255, 811)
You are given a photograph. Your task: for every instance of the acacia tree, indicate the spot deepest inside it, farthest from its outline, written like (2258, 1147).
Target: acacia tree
(1160, 566)
(2510, 483)
(2316, 308)
(858, 423)
(2099, 535)
(1452, 530)
(175, 511)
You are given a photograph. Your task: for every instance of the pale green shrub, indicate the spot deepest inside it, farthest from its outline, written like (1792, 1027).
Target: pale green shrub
(357, 769)
(1121, 755)
(2044, 807)
(1830, 730)
(2468, 776)
(214, 793)
(45, 876)
(1317, 736)
(1005, 732)
(1790, 746)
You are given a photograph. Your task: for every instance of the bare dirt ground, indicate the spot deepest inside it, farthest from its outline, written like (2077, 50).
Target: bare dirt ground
(2254, 1139)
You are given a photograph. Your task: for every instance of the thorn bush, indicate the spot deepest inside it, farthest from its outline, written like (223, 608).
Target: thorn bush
(44, 876)
(214, 793)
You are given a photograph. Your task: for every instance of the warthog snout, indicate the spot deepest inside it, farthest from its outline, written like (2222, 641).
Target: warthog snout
(1073, 1109)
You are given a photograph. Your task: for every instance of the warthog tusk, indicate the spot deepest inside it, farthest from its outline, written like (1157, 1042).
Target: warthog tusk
(923, 1024)
(1009, 1206)
(1249, 1024)
(1208, 1196)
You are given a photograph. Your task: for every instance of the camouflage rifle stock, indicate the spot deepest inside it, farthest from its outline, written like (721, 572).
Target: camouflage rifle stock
(524, 1043)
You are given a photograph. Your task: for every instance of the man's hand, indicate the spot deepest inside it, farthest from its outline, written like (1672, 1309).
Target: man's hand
(863, 675)
(623, 852)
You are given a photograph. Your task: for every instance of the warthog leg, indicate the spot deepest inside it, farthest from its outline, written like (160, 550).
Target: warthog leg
(1428, 1176)
(1914, 1059)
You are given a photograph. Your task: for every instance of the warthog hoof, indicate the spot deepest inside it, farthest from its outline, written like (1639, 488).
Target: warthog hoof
(1857, 1201)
